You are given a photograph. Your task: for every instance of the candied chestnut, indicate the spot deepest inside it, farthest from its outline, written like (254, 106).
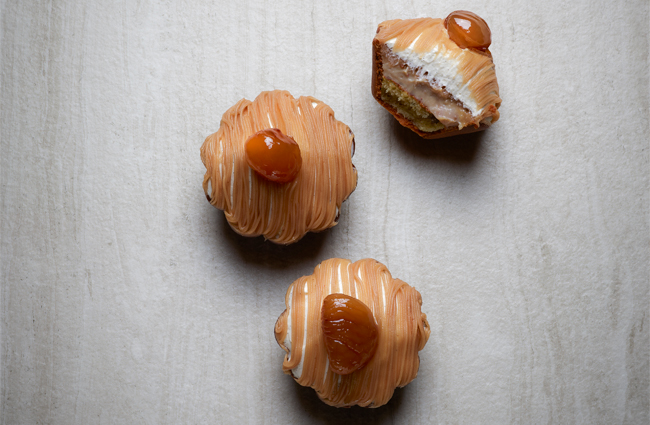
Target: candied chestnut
(350, 333)
(273, 155)
(468, 30)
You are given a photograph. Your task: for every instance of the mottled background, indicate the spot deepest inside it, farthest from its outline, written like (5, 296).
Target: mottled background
(126, 298)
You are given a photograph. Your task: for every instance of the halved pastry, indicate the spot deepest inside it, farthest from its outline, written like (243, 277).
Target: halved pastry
(279, 166)
(436, 76)
(352, 332)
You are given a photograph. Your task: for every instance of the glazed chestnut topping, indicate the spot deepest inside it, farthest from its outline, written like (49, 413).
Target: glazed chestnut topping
(468, 30)
(273, 155)
(350, 333)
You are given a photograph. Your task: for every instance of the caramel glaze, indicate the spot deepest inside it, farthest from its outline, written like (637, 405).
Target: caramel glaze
(476, 67)
(403, 331)
(283, 213)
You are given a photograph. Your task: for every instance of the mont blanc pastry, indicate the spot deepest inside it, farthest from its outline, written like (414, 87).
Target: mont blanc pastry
(436, 76)
(279, 166)
(352, 332)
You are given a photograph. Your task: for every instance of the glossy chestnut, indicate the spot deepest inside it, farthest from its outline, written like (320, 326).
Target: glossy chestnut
(468, 30)
(350, 333)
(273, 155)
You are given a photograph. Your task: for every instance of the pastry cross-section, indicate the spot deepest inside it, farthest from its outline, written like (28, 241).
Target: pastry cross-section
(431, 84)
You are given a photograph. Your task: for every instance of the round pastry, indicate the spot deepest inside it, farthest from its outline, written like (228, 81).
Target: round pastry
(436, 76)
(352, 332)
(279, 166)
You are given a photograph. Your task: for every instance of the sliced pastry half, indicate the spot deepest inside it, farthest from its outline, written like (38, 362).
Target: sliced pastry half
(436, 76)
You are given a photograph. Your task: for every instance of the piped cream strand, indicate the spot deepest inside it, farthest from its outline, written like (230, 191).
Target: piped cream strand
(283, 213)
(403, 331)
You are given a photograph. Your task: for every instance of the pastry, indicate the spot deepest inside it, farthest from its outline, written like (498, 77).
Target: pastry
(279, 166)
(436, 76)
(352, 332)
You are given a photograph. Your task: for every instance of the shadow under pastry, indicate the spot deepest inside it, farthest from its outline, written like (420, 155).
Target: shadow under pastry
(315, 408)
(459, 149)
(257, 250)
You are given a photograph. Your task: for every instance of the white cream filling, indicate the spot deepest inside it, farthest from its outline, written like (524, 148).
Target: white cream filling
(327, 368)
(383, 294)
(340, 279)
(287, 338)
(297, 371)
(440, 68)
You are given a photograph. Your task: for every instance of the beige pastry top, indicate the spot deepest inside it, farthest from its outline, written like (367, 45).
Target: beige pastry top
(468, 75)
(403, 331)
(283, 213)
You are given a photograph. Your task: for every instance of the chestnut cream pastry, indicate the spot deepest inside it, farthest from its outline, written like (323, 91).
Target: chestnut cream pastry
(279, 166)
(352, 332)
(436, 76)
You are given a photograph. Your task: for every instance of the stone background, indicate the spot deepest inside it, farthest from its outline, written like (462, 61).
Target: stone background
(126, 298)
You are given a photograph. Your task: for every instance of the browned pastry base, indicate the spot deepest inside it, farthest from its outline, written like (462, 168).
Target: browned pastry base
(377, 77)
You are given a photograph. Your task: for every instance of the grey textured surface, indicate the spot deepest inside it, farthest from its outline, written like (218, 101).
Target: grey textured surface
(126, 298)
